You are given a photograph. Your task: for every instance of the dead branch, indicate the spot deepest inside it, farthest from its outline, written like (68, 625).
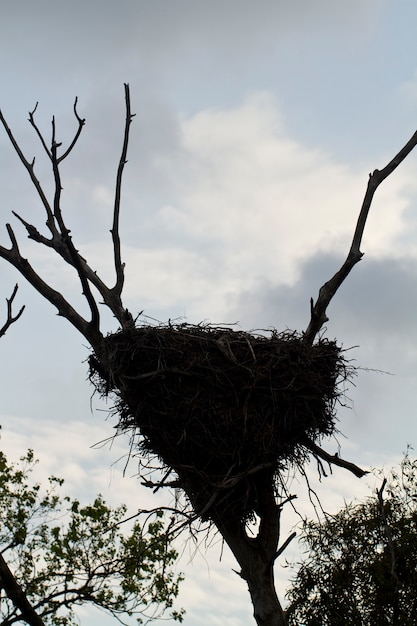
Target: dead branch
(119, 267)
(10, 317)
(14, 257)
(29, 166)
(328, 290)
(65, 232)
(334, 459)
(60, 239)
(81, 122)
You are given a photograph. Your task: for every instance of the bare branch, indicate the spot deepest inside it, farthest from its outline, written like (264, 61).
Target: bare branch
(10, 317)
(61, 240)
(328, 290)
(32, 122)
(66, 237)
(334, 459)
(13, 256)
(30, 169)
(33, 232)
(81, 122)
(15, 247)
(119, 267)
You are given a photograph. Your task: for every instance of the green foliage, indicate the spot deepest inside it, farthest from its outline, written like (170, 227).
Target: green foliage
(360, 570)
(64, 554)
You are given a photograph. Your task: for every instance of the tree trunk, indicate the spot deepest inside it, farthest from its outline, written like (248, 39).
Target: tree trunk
(256, 557)
(267, 609)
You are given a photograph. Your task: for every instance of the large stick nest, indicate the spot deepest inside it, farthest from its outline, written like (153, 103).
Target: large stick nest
(224, 409)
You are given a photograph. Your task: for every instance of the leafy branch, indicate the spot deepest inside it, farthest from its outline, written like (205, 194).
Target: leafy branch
(56, 554)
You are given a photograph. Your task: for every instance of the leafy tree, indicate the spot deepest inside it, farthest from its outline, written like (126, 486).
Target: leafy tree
(56, 554)
(360, 564)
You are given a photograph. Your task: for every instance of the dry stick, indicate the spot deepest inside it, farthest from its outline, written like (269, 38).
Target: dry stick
(81, 122)
(119, 266)
(10, 317)
(328, 290)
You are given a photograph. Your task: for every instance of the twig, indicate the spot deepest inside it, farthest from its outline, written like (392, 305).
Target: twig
(38, 132)
(285, 545)
(10, 317)
(30, 169)
(328, 290)
(81, 122)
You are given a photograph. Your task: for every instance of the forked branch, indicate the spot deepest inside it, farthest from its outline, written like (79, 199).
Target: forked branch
(11, 319)
(334, 459)
(60, 240)
(328, 290)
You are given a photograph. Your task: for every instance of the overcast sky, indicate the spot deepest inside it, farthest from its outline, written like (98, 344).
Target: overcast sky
(256, 127)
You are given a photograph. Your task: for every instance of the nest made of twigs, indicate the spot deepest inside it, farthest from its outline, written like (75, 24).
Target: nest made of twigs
(223, 408)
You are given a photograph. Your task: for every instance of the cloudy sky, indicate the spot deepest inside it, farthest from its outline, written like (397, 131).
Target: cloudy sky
(256, 127)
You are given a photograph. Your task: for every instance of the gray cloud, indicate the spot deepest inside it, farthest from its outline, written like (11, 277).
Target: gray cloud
(190, 53)
(375, 310)
(378, 296)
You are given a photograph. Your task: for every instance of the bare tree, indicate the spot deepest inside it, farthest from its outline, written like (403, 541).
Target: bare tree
(226, 413)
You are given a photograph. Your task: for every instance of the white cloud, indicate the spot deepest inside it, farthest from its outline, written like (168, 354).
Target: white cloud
(250, 204)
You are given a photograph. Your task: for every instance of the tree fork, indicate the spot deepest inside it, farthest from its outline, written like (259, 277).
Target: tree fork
(256, 556)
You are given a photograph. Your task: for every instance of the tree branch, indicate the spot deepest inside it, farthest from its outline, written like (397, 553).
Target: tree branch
(32, 122)
(81, 122)
(16, 595)
(328, 290)
(285, 544)
(65, 232)
(30, 169)
(387, 531)
(10, 317)
(61, 240)
(13, 256)
(119, 266)
(334, 459)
